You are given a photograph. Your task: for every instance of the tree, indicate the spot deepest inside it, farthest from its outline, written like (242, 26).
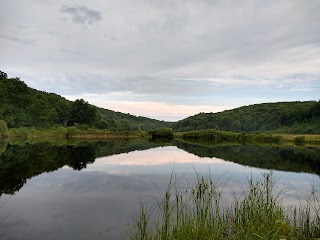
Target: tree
(3, 74)
(63, 109)
(82, 112)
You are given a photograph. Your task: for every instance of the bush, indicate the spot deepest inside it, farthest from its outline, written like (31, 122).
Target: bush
(266, 138)
(163, 133)
(72, 131)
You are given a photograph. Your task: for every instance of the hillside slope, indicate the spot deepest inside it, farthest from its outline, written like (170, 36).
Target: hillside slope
(22, 106)
(282, 117)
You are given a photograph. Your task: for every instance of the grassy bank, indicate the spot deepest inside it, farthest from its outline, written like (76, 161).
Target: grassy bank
(201, 212)
(308, 138)
(70, 132)
(218, 136)
(211, 136)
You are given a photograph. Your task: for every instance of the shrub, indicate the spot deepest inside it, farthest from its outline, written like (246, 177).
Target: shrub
(164, 133)
(72, 131)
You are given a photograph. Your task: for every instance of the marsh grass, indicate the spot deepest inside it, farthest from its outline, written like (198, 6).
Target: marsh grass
(202, 211)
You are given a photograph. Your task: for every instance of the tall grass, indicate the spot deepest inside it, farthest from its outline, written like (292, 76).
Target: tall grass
(204, 212)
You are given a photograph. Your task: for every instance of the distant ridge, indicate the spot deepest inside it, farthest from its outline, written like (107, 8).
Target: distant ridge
(281, 117)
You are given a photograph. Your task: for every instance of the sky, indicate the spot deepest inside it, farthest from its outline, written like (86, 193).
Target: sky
(164, 59)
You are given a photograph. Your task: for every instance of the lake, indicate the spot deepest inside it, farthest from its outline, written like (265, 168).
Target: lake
(91, 190)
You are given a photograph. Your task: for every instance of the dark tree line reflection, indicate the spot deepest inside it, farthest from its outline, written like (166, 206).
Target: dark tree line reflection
(276, 157)
(18, 163)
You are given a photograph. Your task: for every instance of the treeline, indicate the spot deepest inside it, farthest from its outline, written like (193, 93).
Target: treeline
(218, 136)
(22, 106)
(282, 117)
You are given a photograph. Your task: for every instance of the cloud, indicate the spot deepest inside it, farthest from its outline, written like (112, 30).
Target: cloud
(82, 14)
(215, 52)
(19, 40)
(156, 110)
(91, 83)
(148, 158)
(160, 110)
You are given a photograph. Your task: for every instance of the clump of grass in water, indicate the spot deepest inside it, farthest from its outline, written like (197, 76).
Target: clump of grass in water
(201, 212)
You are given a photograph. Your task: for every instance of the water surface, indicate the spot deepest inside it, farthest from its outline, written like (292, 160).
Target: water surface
(91, 190)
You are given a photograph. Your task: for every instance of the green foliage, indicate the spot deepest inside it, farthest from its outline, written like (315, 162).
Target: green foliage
(3, 129)
(282, 117)
(125, 122)
(22, 106)
(266, 138)
(82, 113)
(61, 131)
(218, 136)
(72, 131)
(103, 124)
(82, 127)
(161, 133)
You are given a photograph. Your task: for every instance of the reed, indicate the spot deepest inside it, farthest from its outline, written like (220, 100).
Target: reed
(203, 212)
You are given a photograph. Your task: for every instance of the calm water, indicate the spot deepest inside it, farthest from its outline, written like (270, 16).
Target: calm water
(92, 190)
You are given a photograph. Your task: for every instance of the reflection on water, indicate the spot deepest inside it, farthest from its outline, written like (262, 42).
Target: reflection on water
(285, 158)
(21, 162)
(90, 190)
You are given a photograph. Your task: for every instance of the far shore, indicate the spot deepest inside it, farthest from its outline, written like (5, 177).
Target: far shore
(75, 133)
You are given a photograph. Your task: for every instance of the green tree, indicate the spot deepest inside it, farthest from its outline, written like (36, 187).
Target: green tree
(103, 124)
(3, 74)
(82, 112)
(63, 109)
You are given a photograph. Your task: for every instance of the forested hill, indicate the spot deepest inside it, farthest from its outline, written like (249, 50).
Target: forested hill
(22, 106)
(282, 117)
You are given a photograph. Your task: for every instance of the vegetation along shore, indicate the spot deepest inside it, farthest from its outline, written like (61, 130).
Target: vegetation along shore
(202, 211)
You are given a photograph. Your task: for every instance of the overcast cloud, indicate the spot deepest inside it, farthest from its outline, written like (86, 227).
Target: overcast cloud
(176, 56)
(82, 15)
